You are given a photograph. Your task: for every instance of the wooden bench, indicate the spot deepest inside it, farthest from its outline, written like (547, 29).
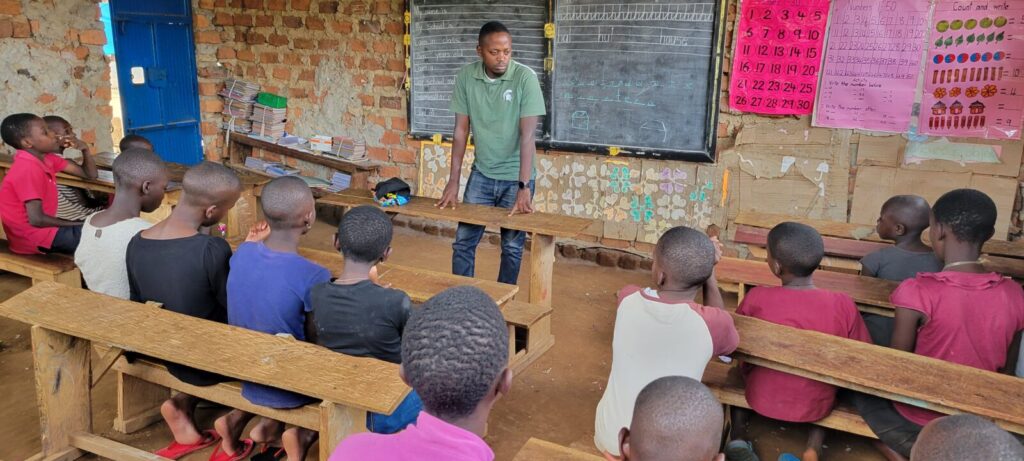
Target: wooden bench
(41, 268)
(541, 450)
(870, 294)
(543, 227)
(67, 320)
(904, 377)
(848, 241)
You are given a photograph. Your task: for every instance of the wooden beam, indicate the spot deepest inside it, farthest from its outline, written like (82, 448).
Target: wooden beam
(336, 423)
(537, 450)
(67, 454)
(138, 403)
(110, 449)
(542, 264)
(105, 363)
(61, 365)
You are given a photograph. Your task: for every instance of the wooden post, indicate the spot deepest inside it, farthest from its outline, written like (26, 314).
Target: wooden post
(138, 403)
(542, 265)
(243, 215)
(62, 388)
(336, 423)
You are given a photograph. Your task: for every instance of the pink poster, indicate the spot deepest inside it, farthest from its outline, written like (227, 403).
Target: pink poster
(775, 68)
(872, 61)
(974, 76)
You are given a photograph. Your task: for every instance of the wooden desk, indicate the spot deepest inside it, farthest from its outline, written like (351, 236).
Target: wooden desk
(544, 228)
(909, 378)
(870, 294)
(241, 146)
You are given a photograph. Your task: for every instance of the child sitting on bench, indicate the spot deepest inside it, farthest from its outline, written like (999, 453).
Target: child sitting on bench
(268, 291)
(455, 356)
(73, 203)
(28, 193)
(663, 331)
(964, 314)
(794, 253)
(962, 437)
(902, 219)
(140, 178)
(356, 316)
(172, 263)
(677, 418)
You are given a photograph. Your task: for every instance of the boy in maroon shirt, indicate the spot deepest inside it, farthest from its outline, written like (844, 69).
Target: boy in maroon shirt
(794, 252)
(964, 314)
(28, 194)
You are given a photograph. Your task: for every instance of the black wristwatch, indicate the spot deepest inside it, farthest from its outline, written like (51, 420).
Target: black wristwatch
(522, 185)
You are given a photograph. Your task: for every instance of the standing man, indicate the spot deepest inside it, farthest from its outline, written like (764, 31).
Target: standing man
(500, 99)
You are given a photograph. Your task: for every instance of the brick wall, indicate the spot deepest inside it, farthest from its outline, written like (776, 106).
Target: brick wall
(53, 63)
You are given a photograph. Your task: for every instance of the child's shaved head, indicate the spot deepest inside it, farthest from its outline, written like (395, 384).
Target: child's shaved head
(454, 348)
(135, 166)
(686, 256)
(961, 437)
(209, 183)
(364, 234)
(675, 418)
(286, 202)
(909, 210)
(968, 213)
(133, 141)
(797, 248)
(57, 123)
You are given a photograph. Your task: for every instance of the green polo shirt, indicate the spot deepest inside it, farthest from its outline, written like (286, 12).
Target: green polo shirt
(494, 109)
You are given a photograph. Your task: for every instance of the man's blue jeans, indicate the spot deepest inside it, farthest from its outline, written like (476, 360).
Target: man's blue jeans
(481, 190)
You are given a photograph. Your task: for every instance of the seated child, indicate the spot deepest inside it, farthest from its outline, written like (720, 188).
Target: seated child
(268, 291)
(356, 316)
(903, 218)
(794, 252)
(662, 331)
(28, 193)
(455, 356)
(675, 418)
(186, 271)
(134, 141)
(140, 178)
(73, 203)
(964, 314)
(962, 437)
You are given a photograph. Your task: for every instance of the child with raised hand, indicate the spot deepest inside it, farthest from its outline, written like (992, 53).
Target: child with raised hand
(794, 253)
(28, 193)
(140, 178)
(675, 418)
(662, 331)
(964, 314)
(455, 356)
(962, 437)
(172, 263)
(354, 315)
(268, 291)
(73, 203)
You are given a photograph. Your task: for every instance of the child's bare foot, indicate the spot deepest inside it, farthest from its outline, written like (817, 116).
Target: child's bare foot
(267, 431)
(230, 427)
(815, 441)
(810, 454)
(297, 441)
(177, 412)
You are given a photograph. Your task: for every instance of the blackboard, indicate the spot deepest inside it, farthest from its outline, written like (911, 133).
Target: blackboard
(643, 76)
(444, 38)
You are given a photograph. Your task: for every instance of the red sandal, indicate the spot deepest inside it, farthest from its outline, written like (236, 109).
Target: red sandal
(177, 450)
(247, 446)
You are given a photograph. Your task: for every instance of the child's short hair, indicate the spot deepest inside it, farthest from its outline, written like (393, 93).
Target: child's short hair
(910, 210)
(686, 255)
(959, 437)
(969, 213)
(16, 127)
(676, 415)
(134, 166)
(364, 234)
(205, 183)
(282, 200)
(134, 141)
(453, 349)
(798, 248)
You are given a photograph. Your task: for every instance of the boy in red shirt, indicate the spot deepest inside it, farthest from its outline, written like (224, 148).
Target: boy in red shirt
(964, 314)
(794, 252)
(28, 194)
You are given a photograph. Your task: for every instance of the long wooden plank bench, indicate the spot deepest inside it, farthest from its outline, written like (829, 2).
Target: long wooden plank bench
(541, 450)
(67, 320)
(40, 268)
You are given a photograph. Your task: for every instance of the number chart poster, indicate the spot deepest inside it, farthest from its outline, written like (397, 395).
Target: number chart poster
(973, 77)
(872, 63)
(775, 69)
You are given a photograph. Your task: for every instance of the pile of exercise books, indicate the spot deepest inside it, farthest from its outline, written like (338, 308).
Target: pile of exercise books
(238, 97)
(271, 168)
(353, 150)
(267, 121)
(339, 182)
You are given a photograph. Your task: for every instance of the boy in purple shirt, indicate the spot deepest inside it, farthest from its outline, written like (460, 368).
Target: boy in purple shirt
(268, 290)
(455, 355)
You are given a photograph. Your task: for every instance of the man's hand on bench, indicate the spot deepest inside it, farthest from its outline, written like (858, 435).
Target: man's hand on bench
(524, 203)
(450, 196)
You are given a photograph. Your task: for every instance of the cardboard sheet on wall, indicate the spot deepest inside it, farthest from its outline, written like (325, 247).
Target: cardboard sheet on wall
(880, 150)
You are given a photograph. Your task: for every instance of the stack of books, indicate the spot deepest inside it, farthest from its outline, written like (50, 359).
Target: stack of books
(238, 97)
(349, 149)
(268, 122)
(276, 169)
(339, 182)
(254, 163)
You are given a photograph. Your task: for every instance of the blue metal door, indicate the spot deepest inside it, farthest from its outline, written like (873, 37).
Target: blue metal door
(156, 70)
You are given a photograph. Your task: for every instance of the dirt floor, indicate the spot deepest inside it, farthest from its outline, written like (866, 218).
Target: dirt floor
(554, 399)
